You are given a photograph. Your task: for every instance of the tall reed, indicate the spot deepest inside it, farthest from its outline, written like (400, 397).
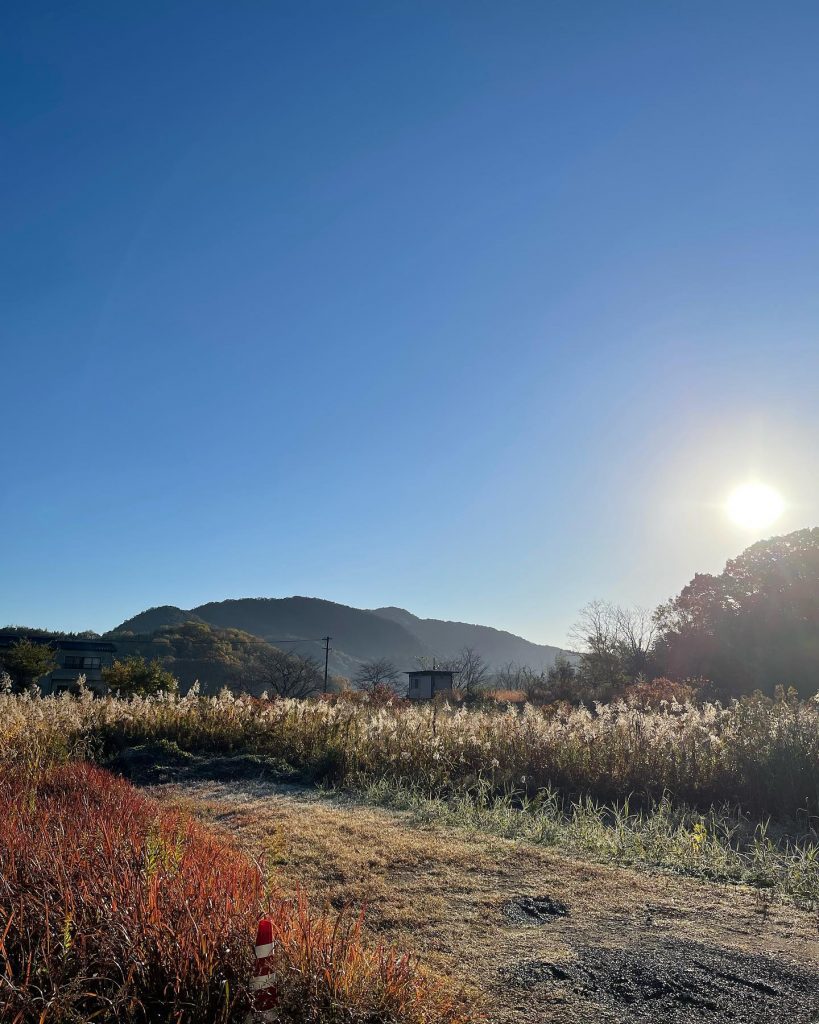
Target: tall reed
(760, 754)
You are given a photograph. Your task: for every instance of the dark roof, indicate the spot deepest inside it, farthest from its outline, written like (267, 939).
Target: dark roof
(431, 672)
(61, 643)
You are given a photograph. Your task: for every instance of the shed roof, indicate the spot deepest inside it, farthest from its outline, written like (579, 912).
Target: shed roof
(431, 672)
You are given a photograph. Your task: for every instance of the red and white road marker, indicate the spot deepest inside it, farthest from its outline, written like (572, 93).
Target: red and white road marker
(263, 983)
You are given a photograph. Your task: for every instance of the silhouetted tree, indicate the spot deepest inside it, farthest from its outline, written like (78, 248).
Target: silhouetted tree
(615, 647)
(472, 671)
(754, 626)
(564, 681)
(508, 676)
(286, 675)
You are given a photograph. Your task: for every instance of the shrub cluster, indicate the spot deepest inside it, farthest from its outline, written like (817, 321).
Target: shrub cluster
(112, 907)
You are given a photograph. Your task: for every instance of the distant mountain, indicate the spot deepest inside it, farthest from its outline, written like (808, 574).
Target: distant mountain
(296, 624)
(496, 645)
(358, 635)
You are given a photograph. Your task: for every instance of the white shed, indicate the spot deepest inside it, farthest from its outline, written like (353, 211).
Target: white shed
(425, 683)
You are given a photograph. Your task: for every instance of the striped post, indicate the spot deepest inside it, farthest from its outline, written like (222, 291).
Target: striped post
(262, 984)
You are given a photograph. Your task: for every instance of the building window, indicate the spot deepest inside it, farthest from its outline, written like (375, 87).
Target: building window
(75, 661)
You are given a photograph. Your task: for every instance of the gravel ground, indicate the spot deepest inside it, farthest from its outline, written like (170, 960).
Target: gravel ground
(678, 982)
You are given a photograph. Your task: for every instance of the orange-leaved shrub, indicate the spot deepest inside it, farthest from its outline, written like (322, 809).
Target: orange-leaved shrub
(507, 696)
(114, 907)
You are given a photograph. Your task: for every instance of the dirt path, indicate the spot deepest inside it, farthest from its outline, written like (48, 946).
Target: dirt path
(535, 935)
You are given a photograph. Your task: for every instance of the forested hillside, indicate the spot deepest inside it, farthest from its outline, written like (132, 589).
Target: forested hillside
(358, 635)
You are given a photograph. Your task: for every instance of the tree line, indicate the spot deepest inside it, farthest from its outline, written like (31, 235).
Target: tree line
(755, 626)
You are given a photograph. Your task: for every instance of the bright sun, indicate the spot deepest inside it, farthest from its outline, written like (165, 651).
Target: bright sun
(754, 505)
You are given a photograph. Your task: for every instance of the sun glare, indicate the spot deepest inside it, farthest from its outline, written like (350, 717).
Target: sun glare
(754, 505)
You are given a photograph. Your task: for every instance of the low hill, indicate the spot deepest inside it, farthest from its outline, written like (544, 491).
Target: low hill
(156, 618)
(295, 624)
(358, 635)
(195, 651)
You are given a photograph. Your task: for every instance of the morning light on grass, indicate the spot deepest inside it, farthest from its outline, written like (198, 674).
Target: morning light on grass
(409, 590)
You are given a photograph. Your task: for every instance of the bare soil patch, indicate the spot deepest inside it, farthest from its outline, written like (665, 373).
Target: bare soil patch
(534, 910)
(632, 946)
(680, 982)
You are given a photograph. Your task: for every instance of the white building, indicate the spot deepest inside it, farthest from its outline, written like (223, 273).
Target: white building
(425, 683)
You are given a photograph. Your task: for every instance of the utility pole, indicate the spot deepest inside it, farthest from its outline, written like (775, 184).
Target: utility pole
(326, 640)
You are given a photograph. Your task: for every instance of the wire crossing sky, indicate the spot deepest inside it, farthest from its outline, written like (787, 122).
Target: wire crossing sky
(483, 310)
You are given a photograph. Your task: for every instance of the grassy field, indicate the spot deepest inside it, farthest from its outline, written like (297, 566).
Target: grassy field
(756, 753)
(536, 934)
(723, 792)
(116, 907)
(719, 844)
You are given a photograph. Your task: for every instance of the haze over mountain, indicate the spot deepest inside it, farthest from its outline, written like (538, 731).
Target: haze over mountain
(358, 635)
(496, 645)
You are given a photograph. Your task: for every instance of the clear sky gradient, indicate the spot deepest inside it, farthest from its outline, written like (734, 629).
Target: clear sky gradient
(475, 308)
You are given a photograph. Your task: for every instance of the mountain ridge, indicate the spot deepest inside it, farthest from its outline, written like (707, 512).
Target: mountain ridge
(498, 646)
(358, 634)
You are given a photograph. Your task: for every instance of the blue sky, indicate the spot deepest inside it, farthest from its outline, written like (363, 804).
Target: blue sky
(479, 309)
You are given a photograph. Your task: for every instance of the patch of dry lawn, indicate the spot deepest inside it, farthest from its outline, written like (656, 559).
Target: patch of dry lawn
(440, 892)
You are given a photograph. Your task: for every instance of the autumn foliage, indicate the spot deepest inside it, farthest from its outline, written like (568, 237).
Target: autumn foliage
(115, 908)
(112, 908)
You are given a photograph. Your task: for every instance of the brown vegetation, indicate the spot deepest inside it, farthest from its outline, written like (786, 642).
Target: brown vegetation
(447, 892)
(113, 908)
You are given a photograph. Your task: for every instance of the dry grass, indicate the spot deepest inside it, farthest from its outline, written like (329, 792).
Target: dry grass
(114, 908)
(121, 918)
(442, 890)
(761, 754)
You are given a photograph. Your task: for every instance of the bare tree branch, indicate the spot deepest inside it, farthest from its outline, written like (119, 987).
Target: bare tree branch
(378, 672)
(287, 675)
